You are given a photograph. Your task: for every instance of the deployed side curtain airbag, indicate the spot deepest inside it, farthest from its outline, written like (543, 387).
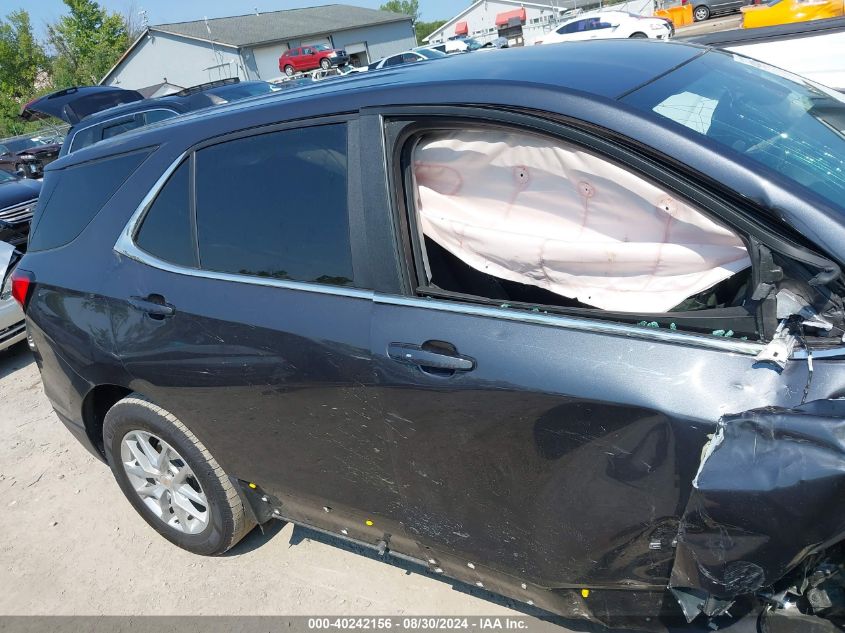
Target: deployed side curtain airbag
(538, 211)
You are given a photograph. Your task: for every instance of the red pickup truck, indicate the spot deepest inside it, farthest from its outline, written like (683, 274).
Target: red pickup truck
(310, 57)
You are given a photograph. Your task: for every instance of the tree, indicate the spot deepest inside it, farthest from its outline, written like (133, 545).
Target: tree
(21, 61)
(87, 42)
(424, 29)
(405, 7)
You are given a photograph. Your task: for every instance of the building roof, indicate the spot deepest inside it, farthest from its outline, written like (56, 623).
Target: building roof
(274, 26)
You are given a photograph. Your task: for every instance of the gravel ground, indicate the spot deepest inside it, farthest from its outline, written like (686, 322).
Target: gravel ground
(72, 544)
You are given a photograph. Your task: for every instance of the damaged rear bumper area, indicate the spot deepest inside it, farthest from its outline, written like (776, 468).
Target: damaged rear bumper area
(766, 516)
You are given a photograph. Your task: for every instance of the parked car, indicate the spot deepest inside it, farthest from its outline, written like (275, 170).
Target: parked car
(608, 24)
(18, 198)
(575, 338)
(12, 325)
(304, 58)
(421, 54)
(704, 9)
(461, 45)
(27, 156)
(789, 12)
(499, 42)
(121, 113)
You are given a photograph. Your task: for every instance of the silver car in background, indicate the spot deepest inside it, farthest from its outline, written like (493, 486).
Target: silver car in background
(12, 326)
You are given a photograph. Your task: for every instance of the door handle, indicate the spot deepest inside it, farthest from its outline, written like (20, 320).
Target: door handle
(430, 355)
(153, 305)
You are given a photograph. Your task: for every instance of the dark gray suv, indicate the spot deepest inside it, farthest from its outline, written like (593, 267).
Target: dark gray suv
(575, 338)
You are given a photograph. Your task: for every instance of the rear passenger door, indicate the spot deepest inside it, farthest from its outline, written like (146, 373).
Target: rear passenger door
(246, 313)
(549, 445)
(308, 59)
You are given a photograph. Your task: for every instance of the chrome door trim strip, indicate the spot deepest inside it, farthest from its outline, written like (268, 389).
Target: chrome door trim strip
(738, 346)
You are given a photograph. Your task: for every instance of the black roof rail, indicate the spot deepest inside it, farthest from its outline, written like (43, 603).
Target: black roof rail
(206, 86)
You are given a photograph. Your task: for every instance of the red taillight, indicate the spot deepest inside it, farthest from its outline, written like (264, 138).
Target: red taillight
(22, 281)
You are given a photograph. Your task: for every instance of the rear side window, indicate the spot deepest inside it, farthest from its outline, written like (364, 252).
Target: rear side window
(121, 127)
(75, 195)
(154, 116)
(84, 138)
(245, 226)
(166, 231)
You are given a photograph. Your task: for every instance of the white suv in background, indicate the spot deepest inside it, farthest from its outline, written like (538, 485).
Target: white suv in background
(605, 25)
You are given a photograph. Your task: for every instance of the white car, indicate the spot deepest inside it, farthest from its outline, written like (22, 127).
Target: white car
(420, 54)
(12, 326)
(606, 25)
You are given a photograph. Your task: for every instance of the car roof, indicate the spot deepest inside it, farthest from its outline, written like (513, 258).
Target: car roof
(601, 68)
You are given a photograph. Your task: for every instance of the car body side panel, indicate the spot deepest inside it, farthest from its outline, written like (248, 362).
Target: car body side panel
(275, 382)
(554, 468)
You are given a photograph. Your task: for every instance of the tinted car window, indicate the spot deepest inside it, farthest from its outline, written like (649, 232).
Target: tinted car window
(245, 227)
(120, 127)
(574, 27)
(154, 116)
(431, 53)
(393, 61)
(769, 117)
(166, 230)
(84, 138)
(76, 195)
(243, 90)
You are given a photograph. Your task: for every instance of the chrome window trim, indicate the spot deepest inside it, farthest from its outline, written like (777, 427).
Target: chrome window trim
(70, 149)
(580, 324)
(125, 245)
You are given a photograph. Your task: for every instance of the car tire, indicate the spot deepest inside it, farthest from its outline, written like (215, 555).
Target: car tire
(638, 35)
(208, 532)
(289, 71)
(325, 64)
(700, 13)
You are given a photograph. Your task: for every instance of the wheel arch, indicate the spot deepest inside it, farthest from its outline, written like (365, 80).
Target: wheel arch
(96, 404)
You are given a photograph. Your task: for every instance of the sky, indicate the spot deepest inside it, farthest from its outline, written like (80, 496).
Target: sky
(164, 11)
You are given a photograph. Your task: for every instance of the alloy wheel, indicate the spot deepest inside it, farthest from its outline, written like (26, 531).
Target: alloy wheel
(164, 482)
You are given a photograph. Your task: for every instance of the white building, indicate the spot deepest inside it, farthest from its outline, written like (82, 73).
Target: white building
(520, 22)
(248, 46)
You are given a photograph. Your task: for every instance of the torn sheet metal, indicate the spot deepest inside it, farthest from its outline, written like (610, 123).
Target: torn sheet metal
(768, 493)
(541, 212)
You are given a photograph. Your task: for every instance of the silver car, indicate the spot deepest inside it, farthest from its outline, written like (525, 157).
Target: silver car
(12, 326)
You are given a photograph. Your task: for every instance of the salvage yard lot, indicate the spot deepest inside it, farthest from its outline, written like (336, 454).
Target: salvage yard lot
(74, 546)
